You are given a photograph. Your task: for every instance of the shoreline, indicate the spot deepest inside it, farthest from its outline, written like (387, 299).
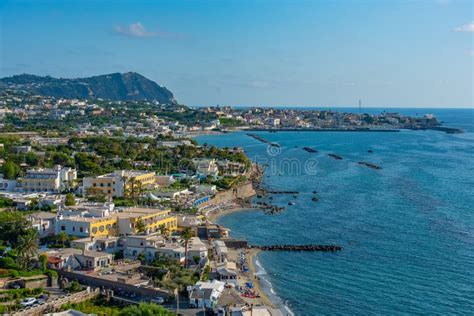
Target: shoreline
(266, 296)
(216, 215)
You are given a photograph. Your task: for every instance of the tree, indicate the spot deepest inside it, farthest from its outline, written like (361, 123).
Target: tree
(140, 226)
(95, 195)
(145, 309)
(62, 237)
(44, 262)
(12, 225)
(31, 159)
(164, 230)
(74, 287)
(26, 249)
(70, 200)
(186, 235)
(10, 170)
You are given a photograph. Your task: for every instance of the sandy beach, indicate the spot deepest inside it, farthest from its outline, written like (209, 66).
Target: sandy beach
(213, 216)
(249, 276)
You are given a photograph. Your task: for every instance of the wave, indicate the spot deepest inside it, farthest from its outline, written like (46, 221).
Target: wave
(267, 287)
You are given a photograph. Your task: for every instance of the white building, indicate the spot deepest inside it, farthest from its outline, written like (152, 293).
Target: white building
(152, 247)
(221, 249)
(205, 294)
(206, 167)
(109, 244)
(196, 248)
(43, 222)
(48, 180)
(7, 185)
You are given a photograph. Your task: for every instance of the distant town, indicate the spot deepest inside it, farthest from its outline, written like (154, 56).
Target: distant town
(114, 203)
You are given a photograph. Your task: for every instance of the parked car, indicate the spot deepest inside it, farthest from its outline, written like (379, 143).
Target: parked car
(44, 296)
(30, 301)
(157, 300)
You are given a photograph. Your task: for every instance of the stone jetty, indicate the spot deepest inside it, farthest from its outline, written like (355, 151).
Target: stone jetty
(310, 150)
(337, 157)
(308, 248)
(263, 140)
(370, 165)
(283, 192)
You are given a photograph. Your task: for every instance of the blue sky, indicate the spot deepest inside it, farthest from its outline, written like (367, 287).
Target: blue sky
(241, 52)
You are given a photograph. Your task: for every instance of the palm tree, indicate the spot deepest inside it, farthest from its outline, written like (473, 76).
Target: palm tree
(140, 226)
(27, 247)
(62, 238)
(186, 235)
(164, 230)
(124, 182)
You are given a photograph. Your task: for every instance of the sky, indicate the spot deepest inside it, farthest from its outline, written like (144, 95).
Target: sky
(255, 52)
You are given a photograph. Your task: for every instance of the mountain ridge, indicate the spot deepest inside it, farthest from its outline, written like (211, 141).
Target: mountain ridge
(114, 86)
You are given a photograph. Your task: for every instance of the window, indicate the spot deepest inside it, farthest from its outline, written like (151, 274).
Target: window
(94, 184)
(94, 230)
(63, 227)
(81, 229)
(141, 244)
(101, 228)
(73, 228)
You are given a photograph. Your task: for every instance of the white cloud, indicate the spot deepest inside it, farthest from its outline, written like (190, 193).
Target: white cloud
(465, 28)
(134, 30)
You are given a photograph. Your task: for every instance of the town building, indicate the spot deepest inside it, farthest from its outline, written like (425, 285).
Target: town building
(109, 244)
(206, 167)
(205, 294)
(197, 250)
(120, 183)
(48, 180)
(73, 259)
(43, 222)
(152, 247)
(153, 219)
(7, 184)
(97, 220)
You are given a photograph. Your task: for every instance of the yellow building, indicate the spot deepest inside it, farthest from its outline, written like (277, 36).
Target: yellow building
(120, 223)
(120, 183)
(152, 219)
(87, 226)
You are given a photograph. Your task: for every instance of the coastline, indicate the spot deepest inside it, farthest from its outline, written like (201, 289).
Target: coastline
(214, 216)
(254, 275)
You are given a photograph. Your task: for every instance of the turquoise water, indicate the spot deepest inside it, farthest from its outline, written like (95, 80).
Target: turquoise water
(407, 230)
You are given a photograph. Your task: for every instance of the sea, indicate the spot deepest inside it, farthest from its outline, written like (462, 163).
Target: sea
(407, 230)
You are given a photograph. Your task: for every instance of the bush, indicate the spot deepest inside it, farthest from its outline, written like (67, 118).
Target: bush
(4, 273)
(4, 202)
(29, 273)
(52, 274)
(74, 287)
(8, 263)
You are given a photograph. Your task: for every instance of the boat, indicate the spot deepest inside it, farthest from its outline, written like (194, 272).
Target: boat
(291, 203)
